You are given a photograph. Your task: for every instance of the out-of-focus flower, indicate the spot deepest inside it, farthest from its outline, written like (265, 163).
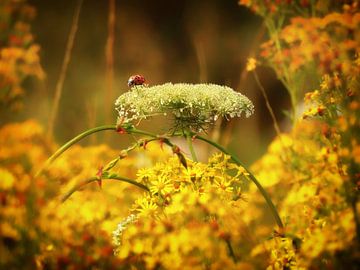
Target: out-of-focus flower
(251, 64)
(19, 55)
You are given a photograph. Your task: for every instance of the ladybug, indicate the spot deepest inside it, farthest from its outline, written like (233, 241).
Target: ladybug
(136, 80)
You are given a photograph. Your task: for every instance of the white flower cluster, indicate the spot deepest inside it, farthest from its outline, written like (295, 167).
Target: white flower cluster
(117, 234)
(192, 105)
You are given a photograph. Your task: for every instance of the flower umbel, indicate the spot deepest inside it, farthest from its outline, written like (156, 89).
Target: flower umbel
(193, 106)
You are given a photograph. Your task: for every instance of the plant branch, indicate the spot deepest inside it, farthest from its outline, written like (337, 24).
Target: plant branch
(64, 67)
(96, 178)
(70, 143)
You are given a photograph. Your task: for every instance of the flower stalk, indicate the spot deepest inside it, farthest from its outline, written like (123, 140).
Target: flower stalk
(103, 177)
(70, 143)
(189, 140)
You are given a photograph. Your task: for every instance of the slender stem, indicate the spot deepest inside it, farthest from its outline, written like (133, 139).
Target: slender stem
(95, 178)
(252, 178)
(70, 143)
(191, 147)
(109, 55)
(268, 106)
(64, 67)
(272, 114)
(88, 132)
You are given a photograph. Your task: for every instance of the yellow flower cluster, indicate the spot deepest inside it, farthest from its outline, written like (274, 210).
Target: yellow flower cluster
(313, 172)
(19, 55)
(35, 227)
(188, 219)
(309, 184)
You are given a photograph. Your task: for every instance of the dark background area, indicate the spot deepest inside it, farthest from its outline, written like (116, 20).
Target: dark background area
(166, 41)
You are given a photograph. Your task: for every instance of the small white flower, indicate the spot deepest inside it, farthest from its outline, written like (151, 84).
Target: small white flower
(117, 234)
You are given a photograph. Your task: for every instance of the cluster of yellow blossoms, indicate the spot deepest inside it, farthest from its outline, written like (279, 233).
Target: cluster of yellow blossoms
(19, 55)
(313, 172)
(189, 217)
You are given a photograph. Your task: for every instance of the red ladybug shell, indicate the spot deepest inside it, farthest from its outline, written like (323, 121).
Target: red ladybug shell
(136, 80)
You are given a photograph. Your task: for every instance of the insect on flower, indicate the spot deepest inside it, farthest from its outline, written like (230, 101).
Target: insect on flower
(136, 80)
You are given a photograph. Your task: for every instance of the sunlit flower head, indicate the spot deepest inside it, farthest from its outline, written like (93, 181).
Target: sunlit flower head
(146, 206)
(223, 184)
(192, 106)
(161, 185)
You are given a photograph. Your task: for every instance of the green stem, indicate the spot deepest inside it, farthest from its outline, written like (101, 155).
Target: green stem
(95, 178)
(191, 147)
(88, 132)
(70, 143)
(252, 178)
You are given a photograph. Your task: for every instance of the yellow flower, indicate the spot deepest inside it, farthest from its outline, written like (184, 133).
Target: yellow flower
(223, 184)
(146, 206)
(162, 185)
(144, 175)
(193, 174)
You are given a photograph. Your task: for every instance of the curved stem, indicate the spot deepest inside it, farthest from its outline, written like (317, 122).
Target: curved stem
(88, 132)
(64, 68)
(252, 178)
(95, 178)
(70, 143)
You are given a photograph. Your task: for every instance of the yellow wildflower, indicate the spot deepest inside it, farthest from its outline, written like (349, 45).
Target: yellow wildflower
(223, 184)
(146, 207)
(161, 185)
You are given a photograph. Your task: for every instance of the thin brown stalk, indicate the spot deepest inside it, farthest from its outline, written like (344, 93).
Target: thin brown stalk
(109, 54)
(64, 67)
(201, 59)
(272, 114)
(268, 106)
